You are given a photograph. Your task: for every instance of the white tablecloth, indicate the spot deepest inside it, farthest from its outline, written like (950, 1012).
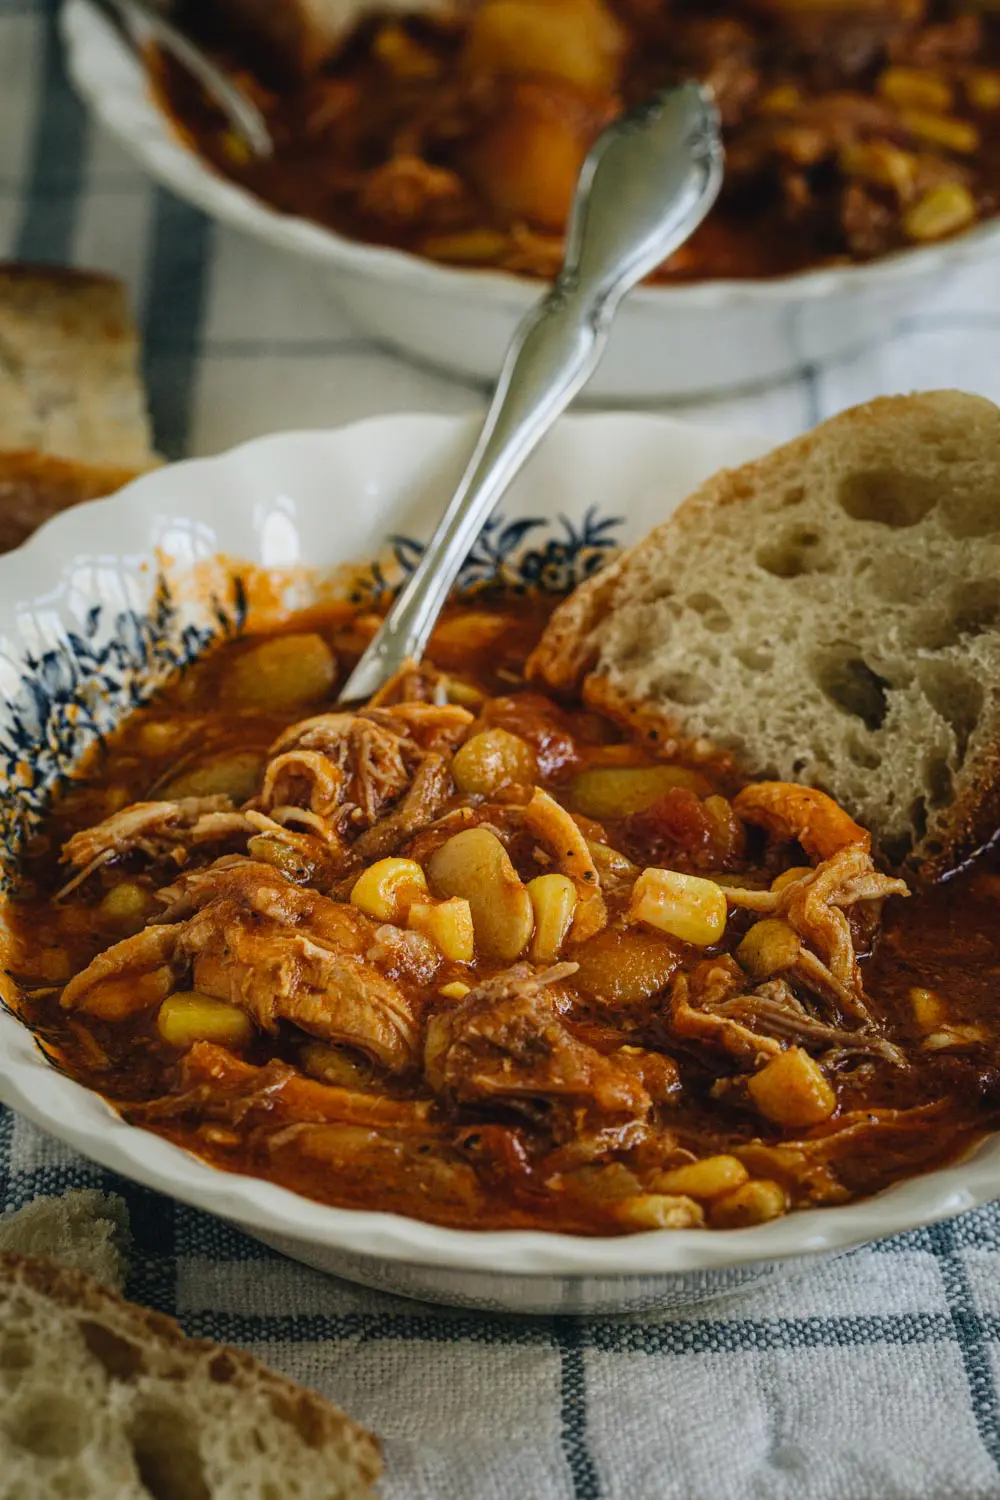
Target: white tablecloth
(872, 1378)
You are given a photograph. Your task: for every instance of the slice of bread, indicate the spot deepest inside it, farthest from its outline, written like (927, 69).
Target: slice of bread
(102, 1400)
(69, 369)
(34, 487)
(829, 614)
(85, 1229)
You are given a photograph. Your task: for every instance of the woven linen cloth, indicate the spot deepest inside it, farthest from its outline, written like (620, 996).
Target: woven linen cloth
(871, 1377)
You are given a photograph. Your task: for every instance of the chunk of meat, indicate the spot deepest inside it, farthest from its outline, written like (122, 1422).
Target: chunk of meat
(129, 977)
(438, 727)
(215, 1082)
(505, 1043)
(265, 891)
(371, 758)
(432, 786)
(713, 1004)
(801, 815)
(156, 829)
(275, 974)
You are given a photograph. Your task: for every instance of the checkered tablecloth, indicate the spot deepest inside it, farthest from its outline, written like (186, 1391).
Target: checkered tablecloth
(874, 1377)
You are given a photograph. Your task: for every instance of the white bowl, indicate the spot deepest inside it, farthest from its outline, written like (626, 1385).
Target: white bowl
(83, 632)
(668, 342)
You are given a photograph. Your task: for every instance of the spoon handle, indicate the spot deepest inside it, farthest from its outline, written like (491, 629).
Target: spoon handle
(144, 23)
(645, 187)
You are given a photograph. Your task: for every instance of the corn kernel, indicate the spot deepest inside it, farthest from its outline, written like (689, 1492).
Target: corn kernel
(477, 247)
(983, 90)
(881, 163)
(753, 1203)
(236, 148)
(770, 947)
(660, 1211)
(797, 872)
(388, 888)
(941, 130)
(454, 991)
(448, 924)
(464, 694)
(912, 87)
(127, 903)
(553, 900)
(184, 1019)
(781, 100)
(683, 906)
(943, 210)
(793, 1090)
(928, 1008)
(708, 1178)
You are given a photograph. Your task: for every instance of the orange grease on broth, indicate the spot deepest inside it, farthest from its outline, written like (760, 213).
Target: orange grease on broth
(480, 1166)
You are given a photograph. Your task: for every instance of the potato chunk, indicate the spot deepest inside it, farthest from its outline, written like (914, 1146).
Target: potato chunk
(282, 674)
(475, 865)
(616, 791)
(579, 41)
(493, 759)
(527, 163)
(793, 1090)
(187, 1018)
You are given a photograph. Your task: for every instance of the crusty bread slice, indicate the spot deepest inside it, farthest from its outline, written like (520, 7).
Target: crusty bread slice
(102, 1400)
(69, 381)
(84, 1228)
(34, 487)
(830, 614)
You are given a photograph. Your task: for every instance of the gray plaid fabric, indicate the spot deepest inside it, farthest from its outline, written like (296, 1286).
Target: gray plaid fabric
(873, 1377)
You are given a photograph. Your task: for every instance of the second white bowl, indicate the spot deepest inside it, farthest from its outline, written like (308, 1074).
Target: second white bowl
(667, 343)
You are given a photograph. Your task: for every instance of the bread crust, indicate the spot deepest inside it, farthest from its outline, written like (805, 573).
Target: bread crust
(570, 657)
(316, 1421)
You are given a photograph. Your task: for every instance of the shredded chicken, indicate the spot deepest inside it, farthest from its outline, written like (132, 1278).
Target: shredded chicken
(156, 829)
(505, 1042)
(713, 1004)
(249, 937)
(816, 906)
(558, 831)
(801, 815)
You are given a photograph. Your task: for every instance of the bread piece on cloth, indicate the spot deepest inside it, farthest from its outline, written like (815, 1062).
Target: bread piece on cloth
(104, 1400)
(34, 487)
(830, 614)
(69, 381)
(84, 1228)
(305, 33)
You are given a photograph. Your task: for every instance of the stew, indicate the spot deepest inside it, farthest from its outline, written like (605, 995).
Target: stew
(852, 130)
(480, 958)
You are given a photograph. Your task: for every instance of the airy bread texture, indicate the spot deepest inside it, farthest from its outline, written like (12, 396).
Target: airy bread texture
(85, 1229)
(102, 1400)
(69, 382)
(73, 422)
(830, 614)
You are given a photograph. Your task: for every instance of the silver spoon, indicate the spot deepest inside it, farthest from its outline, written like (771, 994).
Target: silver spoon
(646, 185)
(143, 24)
